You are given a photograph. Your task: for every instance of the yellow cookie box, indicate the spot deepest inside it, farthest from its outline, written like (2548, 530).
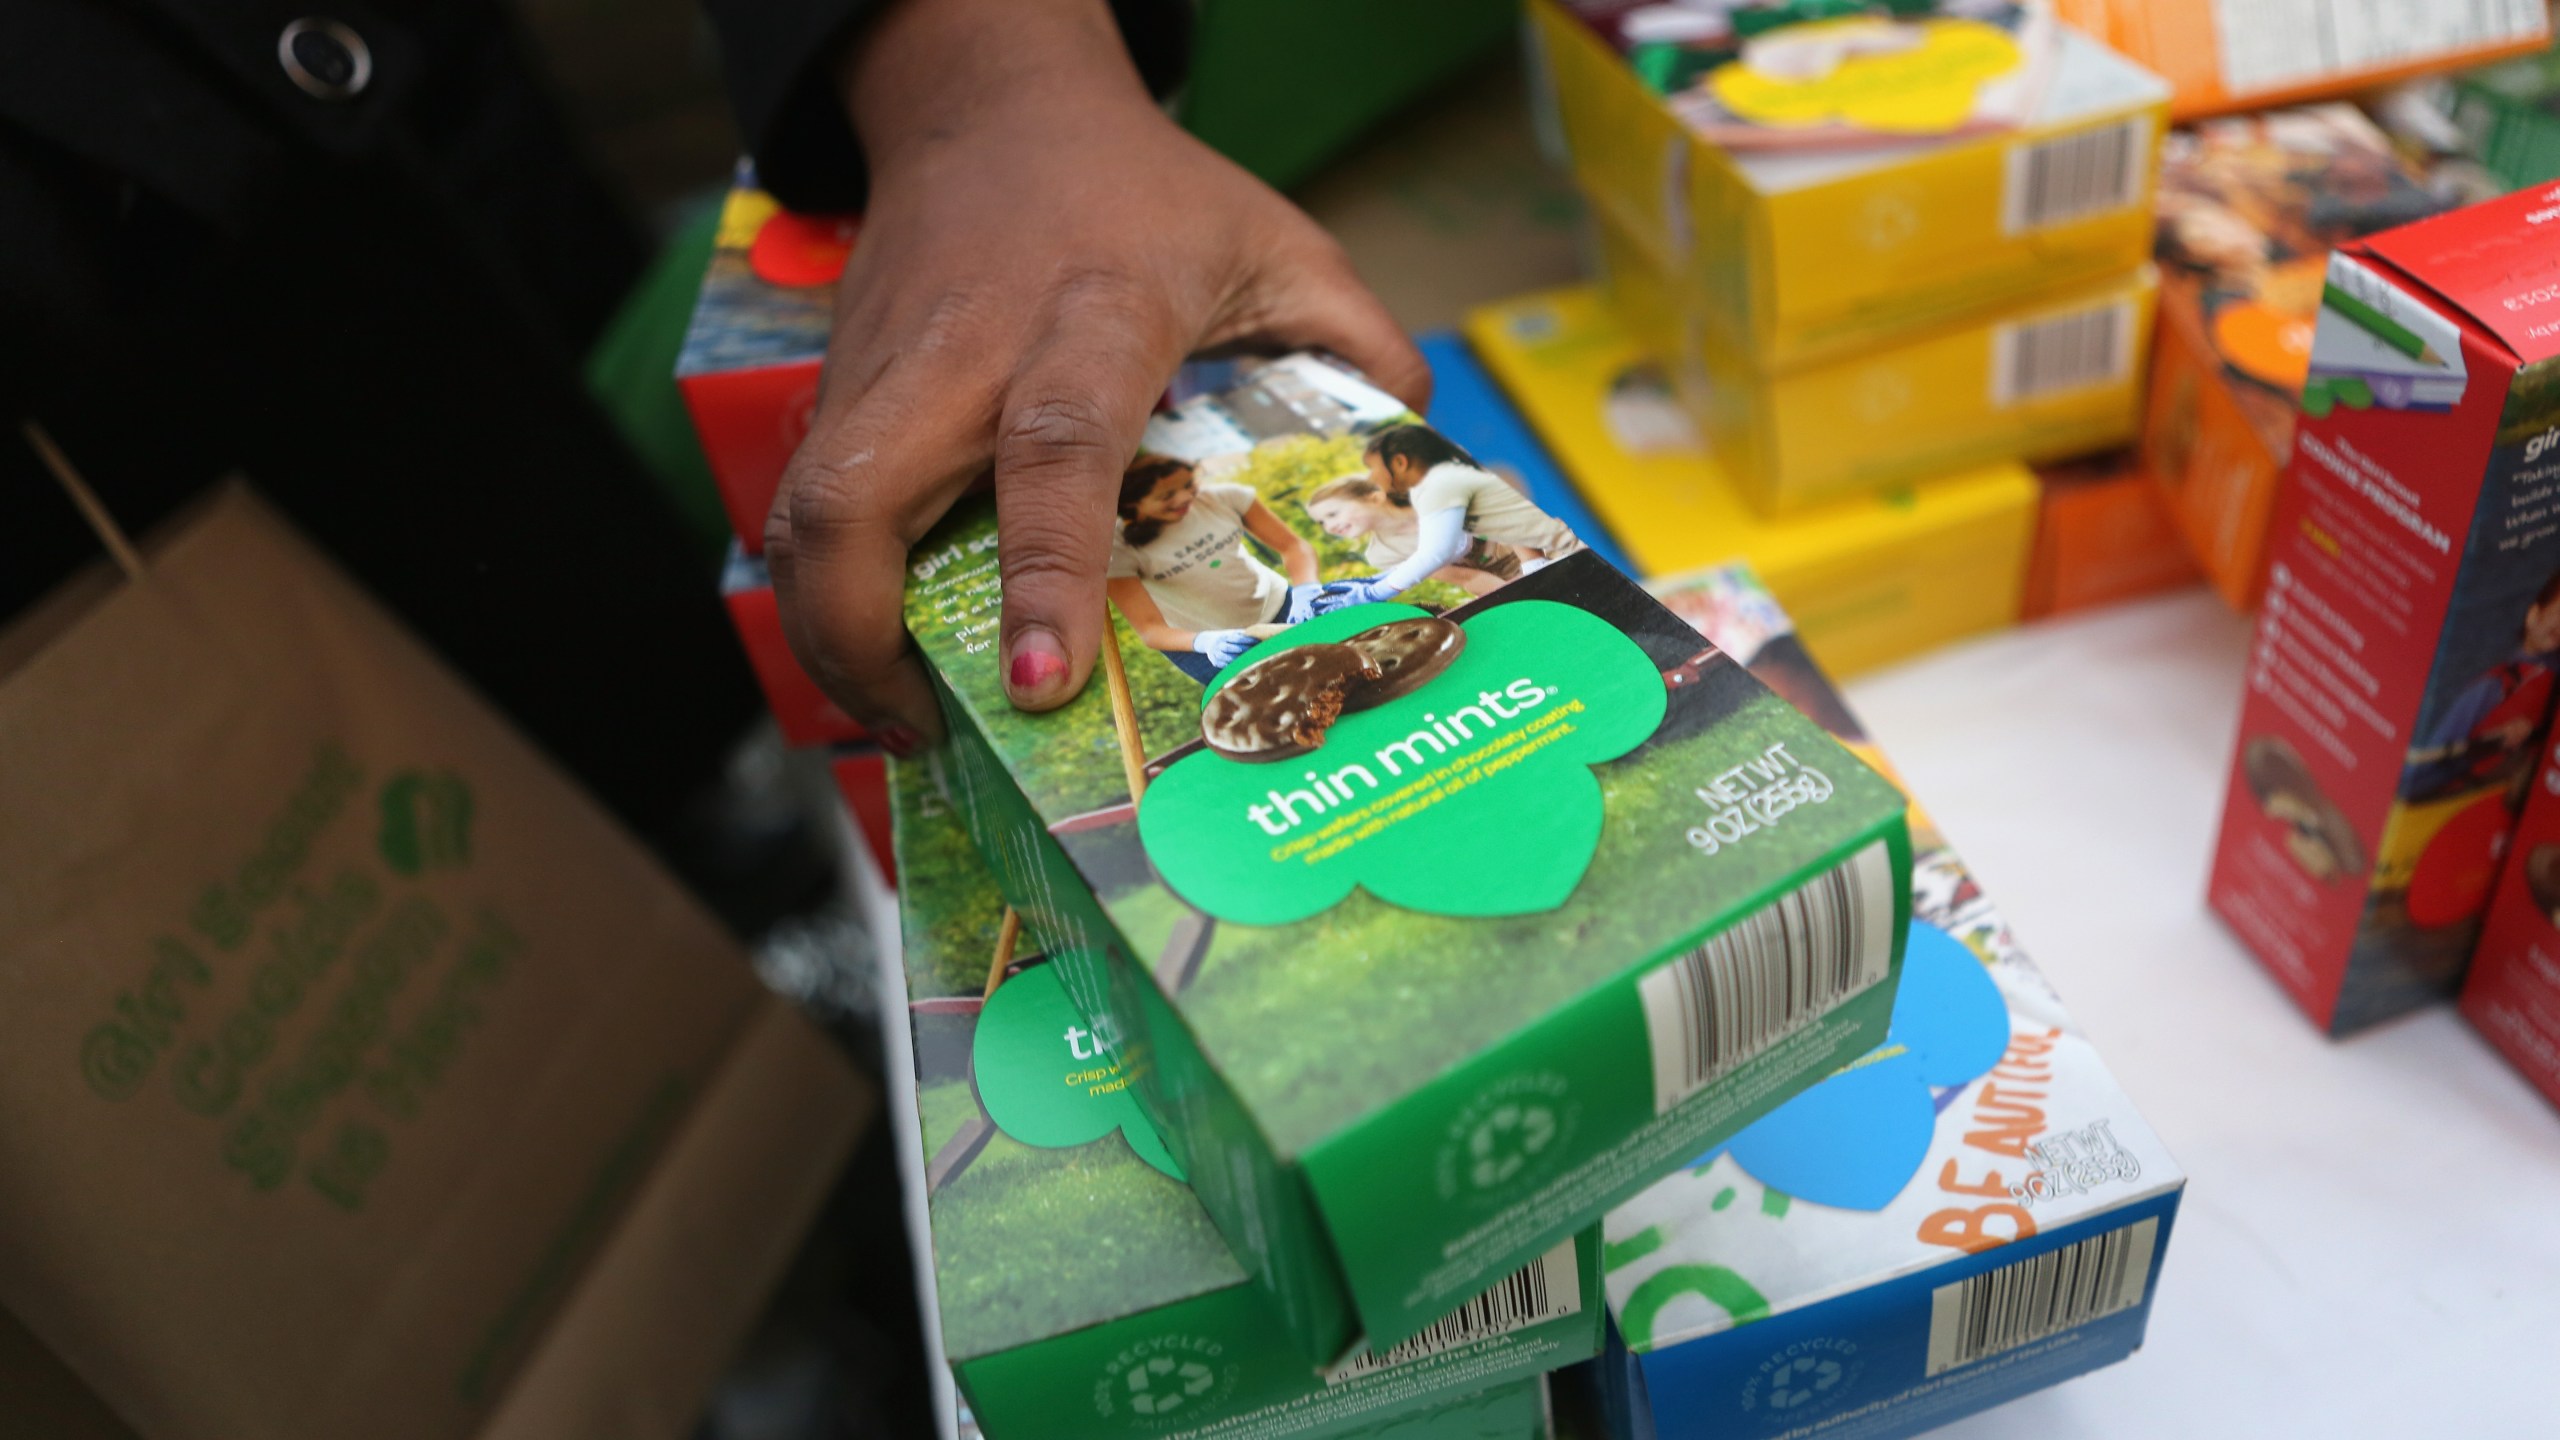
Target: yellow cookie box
(2058, 375)
(1810, 255)
(1869, 581)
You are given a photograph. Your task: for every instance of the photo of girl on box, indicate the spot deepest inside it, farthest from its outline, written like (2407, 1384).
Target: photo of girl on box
(1355, 508)
(1455, 503)
(1183, 576)
(2497, 721)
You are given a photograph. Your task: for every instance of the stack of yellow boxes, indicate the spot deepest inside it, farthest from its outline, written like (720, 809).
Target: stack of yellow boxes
(1874, 250)
(1870, 580)
(1879, 255)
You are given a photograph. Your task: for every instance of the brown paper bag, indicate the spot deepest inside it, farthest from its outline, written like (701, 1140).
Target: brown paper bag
(358, 1076)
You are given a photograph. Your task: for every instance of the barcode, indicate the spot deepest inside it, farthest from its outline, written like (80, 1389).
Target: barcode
(2072, 177)
(1771, 974)
(2037, 358)
(2043, 1295)
(1547, 1288)
(2265, 44)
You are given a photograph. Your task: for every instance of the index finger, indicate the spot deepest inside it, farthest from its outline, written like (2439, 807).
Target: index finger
(1070, 424)
(862, 489)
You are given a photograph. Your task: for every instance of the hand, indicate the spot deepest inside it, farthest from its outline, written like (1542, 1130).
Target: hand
(1223, 646)
(1305, 603)
(1042, 249)
(1343, 594)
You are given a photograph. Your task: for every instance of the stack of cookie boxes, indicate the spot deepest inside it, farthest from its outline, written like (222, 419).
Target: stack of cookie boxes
(1872, 249)
(748, 373)
(1081, 1291)
(1970, 1212)
(2249, 209)
(1425, 908)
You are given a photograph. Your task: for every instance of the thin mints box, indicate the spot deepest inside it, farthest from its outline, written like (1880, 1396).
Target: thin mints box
(1434, 887)
(1083, 1292)
(1972, 1211)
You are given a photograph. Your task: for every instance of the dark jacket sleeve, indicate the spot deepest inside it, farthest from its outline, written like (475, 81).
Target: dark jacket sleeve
(778, 55)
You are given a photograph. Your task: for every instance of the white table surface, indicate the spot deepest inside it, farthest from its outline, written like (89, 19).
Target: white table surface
(2370, 1241)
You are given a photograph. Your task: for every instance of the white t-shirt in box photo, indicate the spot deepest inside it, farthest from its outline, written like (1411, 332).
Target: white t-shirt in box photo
(1494, 509)
(1198, 569)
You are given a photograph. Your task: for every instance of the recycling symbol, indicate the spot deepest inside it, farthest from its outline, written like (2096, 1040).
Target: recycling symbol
(1815, 1374)
(1508, 1139)
(1163, 1384)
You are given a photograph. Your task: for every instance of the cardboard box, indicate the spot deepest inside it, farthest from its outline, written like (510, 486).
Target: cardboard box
(1800, 256)
(2056, 375)
(1083, 1290)
(2513, 994)
(2405, 658)
(2249, 210)
(2223, 55)
(1871, 580)
(1971, 1212)
(803, 712)
(359, 1075)
(1399, 942)
(749, 367)
(2103, 535)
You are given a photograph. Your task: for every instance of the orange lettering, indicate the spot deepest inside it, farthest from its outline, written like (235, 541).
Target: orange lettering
(1970, 1230)
(2010, 1138)
(1991, 1187)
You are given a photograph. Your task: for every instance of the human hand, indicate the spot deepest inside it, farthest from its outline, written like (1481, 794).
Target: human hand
(1343, 594)
(1042, 249)
(1223, 646)
(1305, 602)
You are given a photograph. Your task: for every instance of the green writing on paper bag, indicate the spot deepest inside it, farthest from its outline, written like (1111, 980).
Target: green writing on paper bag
(1470, 796)
(1050, 1080)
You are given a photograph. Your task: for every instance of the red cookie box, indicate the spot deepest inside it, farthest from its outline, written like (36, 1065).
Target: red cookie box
(2103, 535)
(749, 368)
(2513, 995)
(2403, 674)
(804, 712)
(862, 778)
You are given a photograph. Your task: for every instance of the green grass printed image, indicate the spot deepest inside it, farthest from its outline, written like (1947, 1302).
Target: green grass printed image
(1379, 1000)
(1034, 1243)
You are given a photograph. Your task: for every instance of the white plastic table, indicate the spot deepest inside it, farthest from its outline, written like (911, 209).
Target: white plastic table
(2370, 1242)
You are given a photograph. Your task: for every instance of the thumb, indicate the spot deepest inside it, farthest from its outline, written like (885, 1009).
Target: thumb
(1069, 425)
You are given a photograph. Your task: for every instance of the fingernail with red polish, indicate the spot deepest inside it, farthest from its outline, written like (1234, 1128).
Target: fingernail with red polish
(899, 740)
(1039, 664)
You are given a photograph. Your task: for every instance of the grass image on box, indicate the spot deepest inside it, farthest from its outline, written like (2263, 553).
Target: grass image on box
(1436, 887)
(1082, 1290)
(1967, 1213)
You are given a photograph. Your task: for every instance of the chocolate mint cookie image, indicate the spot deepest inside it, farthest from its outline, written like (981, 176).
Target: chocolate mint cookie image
(1407, 655)
(1280, 707)
(2321, 842)
(2542, 880)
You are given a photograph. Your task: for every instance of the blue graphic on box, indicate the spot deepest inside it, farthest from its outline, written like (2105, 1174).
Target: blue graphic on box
(1856, 1139)
(1856, 1367)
